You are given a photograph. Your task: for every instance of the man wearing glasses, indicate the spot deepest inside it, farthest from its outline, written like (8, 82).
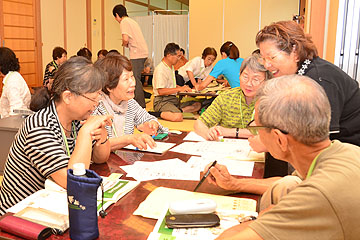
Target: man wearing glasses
(293, 123)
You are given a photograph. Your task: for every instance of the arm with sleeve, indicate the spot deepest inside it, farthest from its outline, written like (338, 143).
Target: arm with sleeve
(305, 213)
(213, 114)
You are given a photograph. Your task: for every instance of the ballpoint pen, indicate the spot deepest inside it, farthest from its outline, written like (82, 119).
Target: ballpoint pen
(205, 175)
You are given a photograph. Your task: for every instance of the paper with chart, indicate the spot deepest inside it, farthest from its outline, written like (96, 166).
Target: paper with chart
(236, 149)
(165, 169)
(161, 147)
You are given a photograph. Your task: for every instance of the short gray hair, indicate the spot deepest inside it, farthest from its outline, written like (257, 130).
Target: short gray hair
(295, 104)
(252, 62)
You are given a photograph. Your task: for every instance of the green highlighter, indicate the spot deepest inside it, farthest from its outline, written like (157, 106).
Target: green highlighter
(160, 136)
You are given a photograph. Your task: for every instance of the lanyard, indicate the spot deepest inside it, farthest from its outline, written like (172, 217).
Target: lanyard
(172, 71)
(6, 77)
(312, 166)
(55, 65)
(112, 125)
(65, 139)
(241, 113)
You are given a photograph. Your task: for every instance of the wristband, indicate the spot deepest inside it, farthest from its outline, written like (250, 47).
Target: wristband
(107, 138)
(237, 133)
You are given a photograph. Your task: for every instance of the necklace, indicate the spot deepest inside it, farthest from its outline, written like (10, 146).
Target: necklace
(304, 66)
(65, 128)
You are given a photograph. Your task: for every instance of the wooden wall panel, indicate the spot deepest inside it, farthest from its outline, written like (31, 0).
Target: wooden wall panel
(20, 44)
(18, 20)
(25, 56)
(19, 32)
(27, 68)
(30, 79)
(17, 8)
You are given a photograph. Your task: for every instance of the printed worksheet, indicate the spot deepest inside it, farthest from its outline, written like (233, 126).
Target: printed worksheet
(161, 147)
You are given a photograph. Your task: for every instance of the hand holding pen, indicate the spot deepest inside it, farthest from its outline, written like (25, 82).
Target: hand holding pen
(220, 176)
(205, 176)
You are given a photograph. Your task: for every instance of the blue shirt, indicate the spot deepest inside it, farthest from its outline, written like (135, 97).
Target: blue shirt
(230, 68)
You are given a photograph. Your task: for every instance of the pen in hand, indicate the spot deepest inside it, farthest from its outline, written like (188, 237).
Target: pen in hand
(205, 176)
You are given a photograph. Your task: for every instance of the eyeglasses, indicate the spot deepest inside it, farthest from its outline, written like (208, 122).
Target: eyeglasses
(254, 81)
(262, 60)
(93, 100)
(254, 130)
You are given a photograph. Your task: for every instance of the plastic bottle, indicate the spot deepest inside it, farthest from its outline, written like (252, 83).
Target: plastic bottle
(79, 170)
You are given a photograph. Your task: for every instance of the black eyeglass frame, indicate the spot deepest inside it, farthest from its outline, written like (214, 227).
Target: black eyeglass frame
(254, 130)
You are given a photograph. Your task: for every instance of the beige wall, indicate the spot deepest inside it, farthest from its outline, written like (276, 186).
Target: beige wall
(241, 24)
(278, 10)
(112, 27)
(95, 27)
(52, 28)
(213, 22)
(206, 24)
(75, 25)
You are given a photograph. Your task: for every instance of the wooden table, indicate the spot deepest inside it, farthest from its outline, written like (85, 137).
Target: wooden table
(120, 223)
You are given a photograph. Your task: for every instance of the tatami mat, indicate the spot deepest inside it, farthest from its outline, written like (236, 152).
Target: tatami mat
(185, 125)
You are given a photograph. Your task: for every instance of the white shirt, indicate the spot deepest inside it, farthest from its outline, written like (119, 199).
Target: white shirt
(15, 94)
(137, 45)
(163, 77)
(197, 67)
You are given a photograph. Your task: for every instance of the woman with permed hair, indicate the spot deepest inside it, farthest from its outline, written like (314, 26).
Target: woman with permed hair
(15, 92)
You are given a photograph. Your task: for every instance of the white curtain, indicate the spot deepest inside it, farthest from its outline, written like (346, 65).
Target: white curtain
(159, 30)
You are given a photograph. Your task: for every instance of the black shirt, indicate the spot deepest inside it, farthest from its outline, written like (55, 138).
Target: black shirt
(344, 96)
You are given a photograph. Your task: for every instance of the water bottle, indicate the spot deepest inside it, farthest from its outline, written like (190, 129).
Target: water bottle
(82, 185)
(79, 170)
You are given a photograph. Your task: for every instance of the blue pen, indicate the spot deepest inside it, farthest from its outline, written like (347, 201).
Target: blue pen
(153, 136)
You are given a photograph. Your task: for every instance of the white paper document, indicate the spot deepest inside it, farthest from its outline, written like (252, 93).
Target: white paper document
(161, 147)
(192, 136)
(238, 149)
(235, 167)
(165, 169)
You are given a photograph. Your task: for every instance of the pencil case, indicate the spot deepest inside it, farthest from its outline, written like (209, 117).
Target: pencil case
(24, 228)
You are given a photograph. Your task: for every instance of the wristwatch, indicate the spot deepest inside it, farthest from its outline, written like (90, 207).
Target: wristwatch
(237, 133)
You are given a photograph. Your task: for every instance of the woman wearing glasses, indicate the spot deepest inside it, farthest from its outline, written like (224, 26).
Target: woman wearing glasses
(118, 101)
(233, 110)
(228, 66)
(285, 49)
(45, 145)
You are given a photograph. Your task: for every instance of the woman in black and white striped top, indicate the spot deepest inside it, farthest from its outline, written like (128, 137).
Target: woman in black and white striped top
(45, 145)
(118, 101)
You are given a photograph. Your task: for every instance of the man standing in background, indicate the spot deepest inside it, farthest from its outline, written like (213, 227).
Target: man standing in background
(133, 39)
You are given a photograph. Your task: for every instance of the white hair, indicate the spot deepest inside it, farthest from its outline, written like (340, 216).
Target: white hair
(295, 104)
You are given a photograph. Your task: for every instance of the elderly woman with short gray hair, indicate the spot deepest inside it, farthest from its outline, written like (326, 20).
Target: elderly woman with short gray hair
(232, 110)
